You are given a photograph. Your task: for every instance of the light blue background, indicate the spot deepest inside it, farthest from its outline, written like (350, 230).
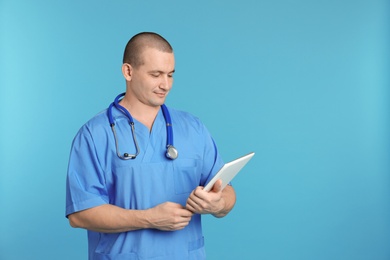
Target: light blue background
(304, 84)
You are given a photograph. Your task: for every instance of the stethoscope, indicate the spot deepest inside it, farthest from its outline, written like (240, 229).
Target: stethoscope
(171, 152)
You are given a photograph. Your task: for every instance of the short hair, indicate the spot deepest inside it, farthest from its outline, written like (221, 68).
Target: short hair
(139, 42)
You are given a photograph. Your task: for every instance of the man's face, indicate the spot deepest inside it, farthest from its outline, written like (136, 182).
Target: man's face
(151, 82)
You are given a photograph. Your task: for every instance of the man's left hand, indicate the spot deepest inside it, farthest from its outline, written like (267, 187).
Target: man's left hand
(203, 202)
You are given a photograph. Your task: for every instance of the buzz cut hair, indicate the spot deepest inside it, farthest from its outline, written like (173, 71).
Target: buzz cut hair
(139, 42)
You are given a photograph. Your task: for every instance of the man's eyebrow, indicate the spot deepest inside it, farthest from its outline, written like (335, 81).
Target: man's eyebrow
(160, 71)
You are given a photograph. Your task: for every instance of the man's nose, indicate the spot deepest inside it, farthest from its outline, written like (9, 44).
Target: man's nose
(165, 82)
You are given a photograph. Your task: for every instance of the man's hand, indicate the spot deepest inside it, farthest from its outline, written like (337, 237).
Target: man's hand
(169, 216)
(203, 202)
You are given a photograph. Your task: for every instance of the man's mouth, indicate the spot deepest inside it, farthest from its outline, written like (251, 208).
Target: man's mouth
(161, 94)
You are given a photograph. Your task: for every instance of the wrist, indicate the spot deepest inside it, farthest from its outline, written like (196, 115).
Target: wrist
(146, 219)
(220, 212)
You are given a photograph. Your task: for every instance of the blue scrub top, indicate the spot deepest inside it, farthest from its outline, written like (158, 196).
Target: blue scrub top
(97, 176)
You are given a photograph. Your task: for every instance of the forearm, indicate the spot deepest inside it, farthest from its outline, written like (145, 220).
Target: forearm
(109, 219)
(229, 199)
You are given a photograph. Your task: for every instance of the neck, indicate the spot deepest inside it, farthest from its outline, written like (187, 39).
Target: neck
(141, 112)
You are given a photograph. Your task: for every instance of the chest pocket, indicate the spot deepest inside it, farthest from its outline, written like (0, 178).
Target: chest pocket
(187, 175)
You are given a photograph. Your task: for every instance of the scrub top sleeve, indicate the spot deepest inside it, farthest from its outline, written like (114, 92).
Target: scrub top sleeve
(212, 159)
(85, 186)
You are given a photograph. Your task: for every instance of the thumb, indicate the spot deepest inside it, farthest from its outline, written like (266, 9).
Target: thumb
(217, 186)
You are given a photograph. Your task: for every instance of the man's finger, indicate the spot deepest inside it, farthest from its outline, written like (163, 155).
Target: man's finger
(217, 186)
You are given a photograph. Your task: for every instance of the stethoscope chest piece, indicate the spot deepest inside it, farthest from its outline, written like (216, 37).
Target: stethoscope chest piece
(171, 152)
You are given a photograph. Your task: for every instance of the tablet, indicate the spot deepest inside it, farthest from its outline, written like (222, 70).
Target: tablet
(228, 171)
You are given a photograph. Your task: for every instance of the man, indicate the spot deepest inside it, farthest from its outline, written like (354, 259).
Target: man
(150, 206)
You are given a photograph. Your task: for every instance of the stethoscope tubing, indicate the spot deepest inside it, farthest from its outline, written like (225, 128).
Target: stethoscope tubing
(168, 122)
(125, 156)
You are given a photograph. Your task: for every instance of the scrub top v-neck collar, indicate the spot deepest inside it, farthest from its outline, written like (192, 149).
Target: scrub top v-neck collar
(149, 140)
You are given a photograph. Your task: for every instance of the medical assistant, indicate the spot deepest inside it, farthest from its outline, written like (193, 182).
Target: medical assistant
(97, 176)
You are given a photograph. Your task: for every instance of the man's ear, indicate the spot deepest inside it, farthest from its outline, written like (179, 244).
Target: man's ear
(127, 71)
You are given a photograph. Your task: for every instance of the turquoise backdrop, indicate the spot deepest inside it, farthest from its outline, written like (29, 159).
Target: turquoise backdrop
(304, 84)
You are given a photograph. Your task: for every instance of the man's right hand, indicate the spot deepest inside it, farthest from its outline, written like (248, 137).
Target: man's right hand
(169, 216)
